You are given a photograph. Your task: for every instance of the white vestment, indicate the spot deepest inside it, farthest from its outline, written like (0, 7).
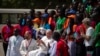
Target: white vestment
(42, 49)
(24, 49)
(14, 45)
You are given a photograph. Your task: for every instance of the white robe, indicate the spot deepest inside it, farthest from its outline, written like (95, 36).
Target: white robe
(14, 45)
(32, 46)
(52, 50)
(42, 49)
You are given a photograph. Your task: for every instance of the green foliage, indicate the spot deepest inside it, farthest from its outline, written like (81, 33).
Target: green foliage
(30, 3)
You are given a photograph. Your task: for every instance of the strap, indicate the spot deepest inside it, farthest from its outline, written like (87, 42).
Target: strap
(27, 45)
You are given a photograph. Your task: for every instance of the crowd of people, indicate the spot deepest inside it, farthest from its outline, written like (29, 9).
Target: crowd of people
(73, 31)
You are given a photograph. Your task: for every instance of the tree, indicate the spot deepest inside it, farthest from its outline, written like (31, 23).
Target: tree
(30, 3)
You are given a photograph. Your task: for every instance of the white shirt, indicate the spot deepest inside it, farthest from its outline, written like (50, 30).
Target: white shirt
(42, 49)
(89, 32)
(52, 50)
(14, 45)
(24, 49)
(46, 41)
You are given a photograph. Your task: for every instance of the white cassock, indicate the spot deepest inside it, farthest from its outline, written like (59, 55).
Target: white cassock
(14, 45)
(42, 49)
(24, 49)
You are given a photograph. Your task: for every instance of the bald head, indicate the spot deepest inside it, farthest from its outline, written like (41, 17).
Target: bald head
(28, 34)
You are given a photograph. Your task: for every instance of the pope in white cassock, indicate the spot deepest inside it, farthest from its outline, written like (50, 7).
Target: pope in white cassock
(14, 44)
(44, 45)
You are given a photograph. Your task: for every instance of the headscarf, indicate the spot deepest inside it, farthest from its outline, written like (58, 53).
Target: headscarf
(36, 20)
(68, 20)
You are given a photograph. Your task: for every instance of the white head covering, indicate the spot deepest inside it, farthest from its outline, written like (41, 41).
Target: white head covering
(42, 30)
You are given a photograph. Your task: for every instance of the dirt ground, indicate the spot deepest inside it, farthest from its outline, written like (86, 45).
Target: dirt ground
(1, 49)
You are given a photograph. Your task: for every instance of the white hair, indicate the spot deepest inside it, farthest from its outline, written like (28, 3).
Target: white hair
(48, 30)
(86, 21)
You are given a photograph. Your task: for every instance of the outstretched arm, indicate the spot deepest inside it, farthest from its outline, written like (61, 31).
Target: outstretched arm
(46, 9)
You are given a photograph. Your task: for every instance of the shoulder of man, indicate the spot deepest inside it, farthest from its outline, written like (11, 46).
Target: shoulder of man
(12, 38)
(44, 38)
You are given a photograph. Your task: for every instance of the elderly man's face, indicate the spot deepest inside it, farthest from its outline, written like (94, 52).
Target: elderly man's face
(49, 34)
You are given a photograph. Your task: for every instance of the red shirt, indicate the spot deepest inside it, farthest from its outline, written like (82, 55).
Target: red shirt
(52, 23)
(7, 32)
(17, 26)
(62, 48)
(93, 24)
(80, 29)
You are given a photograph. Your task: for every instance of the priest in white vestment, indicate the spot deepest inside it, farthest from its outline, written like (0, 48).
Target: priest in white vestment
(14, 44)
(28, 44)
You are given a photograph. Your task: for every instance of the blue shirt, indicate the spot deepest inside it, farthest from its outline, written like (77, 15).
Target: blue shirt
(46, 26)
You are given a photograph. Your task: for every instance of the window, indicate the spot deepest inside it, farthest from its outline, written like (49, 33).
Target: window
(4, 17)
(12, 17)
